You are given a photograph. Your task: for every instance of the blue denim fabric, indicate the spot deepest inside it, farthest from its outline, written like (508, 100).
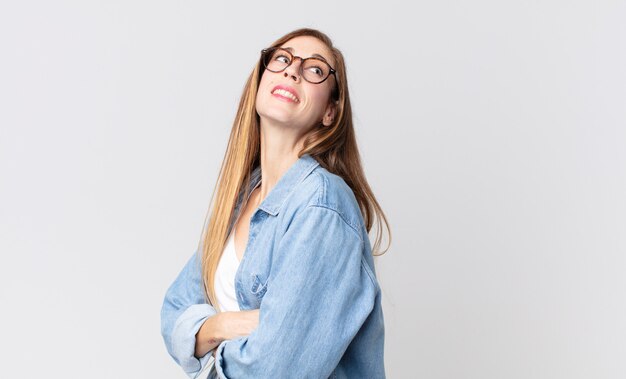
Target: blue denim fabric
(308, 267)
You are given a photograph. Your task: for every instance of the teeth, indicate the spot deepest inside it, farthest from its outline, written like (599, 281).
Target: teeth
(288, 94)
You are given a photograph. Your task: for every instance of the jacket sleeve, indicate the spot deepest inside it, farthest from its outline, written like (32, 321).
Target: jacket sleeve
(183, 312)
(318, 296)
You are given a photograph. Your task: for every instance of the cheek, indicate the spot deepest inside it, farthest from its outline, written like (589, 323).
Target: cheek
(265, 77)
(263, 89)
(262, 84)
(320, 97)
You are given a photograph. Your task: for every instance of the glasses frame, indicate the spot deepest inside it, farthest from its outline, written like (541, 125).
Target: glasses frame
(302, 60)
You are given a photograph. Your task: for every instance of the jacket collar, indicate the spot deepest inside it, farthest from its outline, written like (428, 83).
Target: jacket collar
(296, 173)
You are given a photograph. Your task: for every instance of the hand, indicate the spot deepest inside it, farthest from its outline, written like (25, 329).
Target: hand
(224, 326)
(238, 324)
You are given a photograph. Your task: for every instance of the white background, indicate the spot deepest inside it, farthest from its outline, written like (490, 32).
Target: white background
(493, 134)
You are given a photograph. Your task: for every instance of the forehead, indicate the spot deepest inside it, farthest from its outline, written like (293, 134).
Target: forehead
(307, 46)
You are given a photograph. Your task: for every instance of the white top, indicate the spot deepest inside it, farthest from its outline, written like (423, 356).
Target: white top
(225, 292)
(226, 271)
(225, 277)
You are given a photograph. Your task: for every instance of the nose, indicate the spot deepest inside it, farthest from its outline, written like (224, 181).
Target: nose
(293, 70)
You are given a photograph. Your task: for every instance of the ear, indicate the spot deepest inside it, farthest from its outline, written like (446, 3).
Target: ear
(329, 114)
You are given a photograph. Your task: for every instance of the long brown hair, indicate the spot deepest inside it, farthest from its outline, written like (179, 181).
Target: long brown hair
(334, 147)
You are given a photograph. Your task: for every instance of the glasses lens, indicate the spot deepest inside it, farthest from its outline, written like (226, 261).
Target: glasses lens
(277, 59)
(315, 70)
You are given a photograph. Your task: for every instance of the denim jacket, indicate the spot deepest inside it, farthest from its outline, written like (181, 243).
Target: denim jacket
(309, 269)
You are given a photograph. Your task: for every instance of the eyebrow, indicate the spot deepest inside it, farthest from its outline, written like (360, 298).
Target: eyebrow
(313, 55)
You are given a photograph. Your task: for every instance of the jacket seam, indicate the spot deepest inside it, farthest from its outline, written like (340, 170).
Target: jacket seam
(321, 202)
(352, 227)
(364, 264)
(369, 272)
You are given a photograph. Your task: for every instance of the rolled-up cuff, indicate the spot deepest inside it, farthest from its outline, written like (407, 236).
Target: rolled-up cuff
(184, 338)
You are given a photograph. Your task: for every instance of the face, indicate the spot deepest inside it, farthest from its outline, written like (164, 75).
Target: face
(286, 98)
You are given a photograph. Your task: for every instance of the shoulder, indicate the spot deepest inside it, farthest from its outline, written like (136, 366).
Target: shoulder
(324, 189)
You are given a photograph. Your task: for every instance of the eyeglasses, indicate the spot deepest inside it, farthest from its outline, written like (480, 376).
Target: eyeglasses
(313, 69)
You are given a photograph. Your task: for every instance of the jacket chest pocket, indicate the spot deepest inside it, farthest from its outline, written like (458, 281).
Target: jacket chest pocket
(259, 286)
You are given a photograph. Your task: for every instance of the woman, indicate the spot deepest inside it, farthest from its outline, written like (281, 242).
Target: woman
(283, 283)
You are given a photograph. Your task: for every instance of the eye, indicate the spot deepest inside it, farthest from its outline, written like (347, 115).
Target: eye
(281, 58)
(316, 70)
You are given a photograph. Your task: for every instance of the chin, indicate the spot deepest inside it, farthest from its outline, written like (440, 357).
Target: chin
(276, 120)
(275, 115)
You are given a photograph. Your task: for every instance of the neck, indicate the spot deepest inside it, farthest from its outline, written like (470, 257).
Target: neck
(279, 150)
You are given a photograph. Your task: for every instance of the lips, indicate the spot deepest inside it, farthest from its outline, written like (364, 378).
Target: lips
(286, 92)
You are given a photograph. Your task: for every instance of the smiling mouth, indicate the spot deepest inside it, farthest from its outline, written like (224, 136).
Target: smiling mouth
(287, 94)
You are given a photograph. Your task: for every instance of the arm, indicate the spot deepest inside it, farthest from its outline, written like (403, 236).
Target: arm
(183, 312)
(191, 328)
(208, 336)
(225, 326)
(319, 295)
